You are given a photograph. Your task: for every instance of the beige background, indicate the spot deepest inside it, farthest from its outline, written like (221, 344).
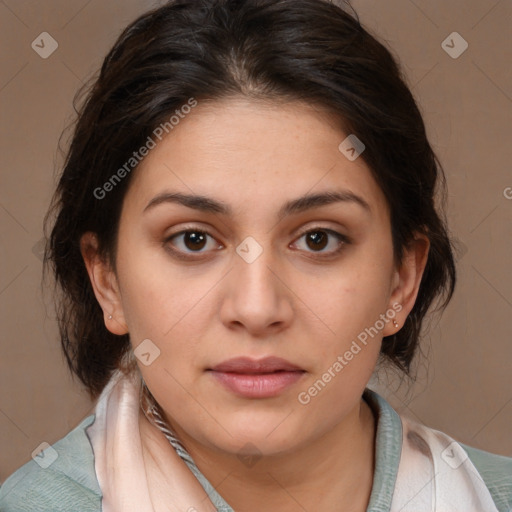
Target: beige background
(467, 104)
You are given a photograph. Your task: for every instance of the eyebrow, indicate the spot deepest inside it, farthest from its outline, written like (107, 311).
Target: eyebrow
(294, 206)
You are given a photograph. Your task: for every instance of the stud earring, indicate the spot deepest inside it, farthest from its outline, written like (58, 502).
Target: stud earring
(395, 323)
(110, 317)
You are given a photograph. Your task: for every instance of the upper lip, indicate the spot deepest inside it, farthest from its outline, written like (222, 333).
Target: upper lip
(248, 365)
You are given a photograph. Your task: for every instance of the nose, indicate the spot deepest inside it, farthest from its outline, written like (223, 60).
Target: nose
(256, 295)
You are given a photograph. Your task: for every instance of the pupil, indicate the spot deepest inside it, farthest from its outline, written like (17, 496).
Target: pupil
(317, 237)
(196, 240)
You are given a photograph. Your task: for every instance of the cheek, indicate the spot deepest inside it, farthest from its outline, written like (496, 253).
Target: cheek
(346, 358)
(351, 304)
(159, 296)
(355, 297)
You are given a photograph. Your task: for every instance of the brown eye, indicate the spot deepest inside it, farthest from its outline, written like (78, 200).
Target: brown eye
(190, 241)
(316, 240)
(194, 240)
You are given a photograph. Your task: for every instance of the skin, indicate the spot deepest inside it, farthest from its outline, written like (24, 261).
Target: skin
(294, 301)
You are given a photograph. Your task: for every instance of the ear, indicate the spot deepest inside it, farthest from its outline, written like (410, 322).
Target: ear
(104, 284)
(406, 281)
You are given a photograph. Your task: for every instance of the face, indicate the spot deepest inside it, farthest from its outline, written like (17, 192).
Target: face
(255, 270)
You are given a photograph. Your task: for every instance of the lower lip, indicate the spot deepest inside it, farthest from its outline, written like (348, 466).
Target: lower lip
(258, 385)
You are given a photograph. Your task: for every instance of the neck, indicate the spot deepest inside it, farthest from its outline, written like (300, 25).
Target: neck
(334, 472)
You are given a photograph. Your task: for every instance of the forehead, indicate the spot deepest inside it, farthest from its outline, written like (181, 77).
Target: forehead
(248, 152)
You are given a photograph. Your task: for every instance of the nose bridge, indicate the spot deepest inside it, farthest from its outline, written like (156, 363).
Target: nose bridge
(254, 262)
(257, 298)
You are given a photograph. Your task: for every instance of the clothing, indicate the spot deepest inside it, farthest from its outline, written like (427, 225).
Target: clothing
(418, 469)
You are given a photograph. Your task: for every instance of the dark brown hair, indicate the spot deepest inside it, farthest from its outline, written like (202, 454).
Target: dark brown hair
(307, 50)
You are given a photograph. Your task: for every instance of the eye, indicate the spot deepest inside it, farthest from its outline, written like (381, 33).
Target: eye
(191, 241)
(319, 238)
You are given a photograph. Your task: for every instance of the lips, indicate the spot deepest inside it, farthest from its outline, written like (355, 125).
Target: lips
(251, 366)
(250, 378)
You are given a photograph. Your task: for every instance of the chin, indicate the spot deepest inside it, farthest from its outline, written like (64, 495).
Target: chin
(256, 437)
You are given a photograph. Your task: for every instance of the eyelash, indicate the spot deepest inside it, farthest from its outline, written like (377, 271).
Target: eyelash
(344, 240)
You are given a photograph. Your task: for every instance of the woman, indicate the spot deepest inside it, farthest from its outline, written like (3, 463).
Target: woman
(244, 227)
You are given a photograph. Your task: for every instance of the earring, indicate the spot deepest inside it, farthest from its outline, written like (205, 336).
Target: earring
(395, 323)
(110, 317)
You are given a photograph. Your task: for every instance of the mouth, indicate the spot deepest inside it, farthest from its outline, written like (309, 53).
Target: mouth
(246, 365)
(263, 378)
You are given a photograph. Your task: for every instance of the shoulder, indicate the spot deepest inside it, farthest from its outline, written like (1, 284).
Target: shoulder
(63, 479)
(496, 472)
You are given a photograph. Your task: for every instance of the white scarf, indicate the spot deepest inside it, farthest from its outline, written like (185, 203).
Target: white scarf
(143, 473)
(435, 474)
